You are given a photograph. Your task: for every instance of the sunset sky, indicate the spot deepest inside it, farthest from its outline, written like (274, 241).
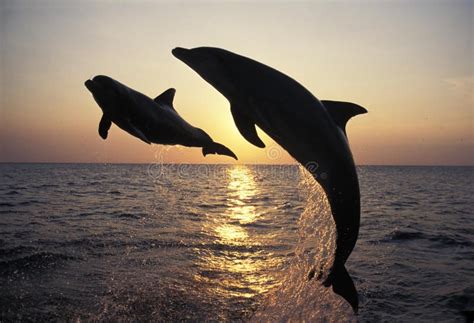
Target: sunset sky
(410, 63)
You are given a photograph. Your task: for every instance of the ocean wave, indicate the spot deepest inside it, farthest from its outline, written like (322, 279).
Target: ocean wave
(451, 241)
(401, 205)
(212, 205)
(128, 215)
(16, 187)
(37, 261)
(99, 244)
(256, 225)
(13, 192)
(10, 211)
(399, 235)
(86, 214)
(257, 199)
(46, 186)
(440, 240)
(460, 299)
(9, 252)
(6, 204)
(30, 202)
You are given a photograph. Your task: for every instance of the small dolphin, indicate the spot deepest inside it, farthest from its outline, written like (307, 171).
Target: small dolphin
(312, 131)
(147, 119)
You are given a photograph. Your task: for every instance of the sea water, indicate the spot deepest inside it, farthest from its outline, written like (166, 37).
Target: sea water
(162, 242)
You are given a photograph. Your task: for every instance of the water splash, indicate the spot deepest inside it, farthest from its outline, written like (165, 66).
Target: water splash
(301, 295)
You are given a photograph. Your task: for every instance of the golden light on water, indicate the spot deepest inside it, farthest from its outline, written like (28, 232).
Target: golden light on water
(244, 274)
(231, 234)
(240, 190)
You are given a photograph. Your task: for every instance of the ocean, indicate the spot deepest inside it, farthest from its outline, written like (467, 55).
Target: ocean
(164, 242)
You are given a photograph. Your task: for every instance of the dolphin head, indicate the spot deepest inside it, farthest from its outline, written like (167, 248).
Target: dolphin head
(107, 92)
(212, 64)
(200, 58)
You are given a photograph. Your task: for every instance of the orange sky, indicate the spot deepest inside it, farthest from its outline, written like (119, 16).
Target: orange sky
(409, 63)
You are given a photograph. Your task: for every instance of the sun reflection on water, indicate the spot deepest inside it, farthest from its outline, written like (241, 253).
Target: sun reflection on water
(231, 234)
(241, 188)
(242, 269)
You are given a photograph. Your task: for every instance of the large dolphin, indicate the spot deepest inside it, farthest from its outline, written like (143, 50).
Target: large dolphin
(312, 131)
(147, 119)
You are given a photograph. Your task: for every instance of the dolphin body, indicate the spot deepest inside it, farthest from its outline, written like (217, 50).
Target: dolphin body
(312, 131)
(147, 119)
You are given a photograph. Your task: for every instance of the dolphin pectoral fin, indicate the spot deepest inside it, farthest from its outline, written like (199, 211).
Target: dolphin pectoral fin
(341, 112)
(343, 285)
(104, 126)
(246, 127)
(166, 98)
(217, 148)
(137, 133)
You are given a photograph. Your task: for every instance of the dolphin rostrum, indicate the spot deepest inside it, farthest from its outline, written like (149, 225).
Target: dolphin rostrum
(147, 119)
(312, 131)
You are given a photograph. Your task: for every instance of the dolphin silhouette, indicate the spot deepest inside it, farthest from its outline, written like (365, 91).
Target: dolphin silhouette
(149, 120)
(312, 131)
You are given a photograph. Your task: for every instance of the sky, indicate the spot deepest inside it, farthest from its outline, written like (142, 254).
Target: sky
(410, 63)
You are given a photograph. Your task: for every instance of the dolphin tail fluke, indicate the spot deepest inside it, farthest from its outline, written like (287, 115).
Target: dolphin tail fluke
(216, 148)
(343, 285)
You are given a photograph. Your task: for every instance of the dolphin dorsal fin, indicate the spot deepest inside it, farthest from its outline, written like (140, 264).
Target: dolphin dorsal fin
(166, 98)
(341, 112)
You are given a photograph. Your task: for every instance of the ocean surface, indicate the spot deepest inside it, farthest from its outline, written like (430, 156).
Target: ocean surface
(108, 242)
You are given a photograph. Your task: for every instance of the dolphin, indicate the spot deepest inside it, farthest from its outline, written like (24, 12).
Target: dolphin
(151, 120)
(312, 131)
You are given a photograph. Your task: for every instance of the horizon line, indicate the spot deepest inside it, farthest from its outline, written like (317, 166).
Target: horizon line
(227, 164)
